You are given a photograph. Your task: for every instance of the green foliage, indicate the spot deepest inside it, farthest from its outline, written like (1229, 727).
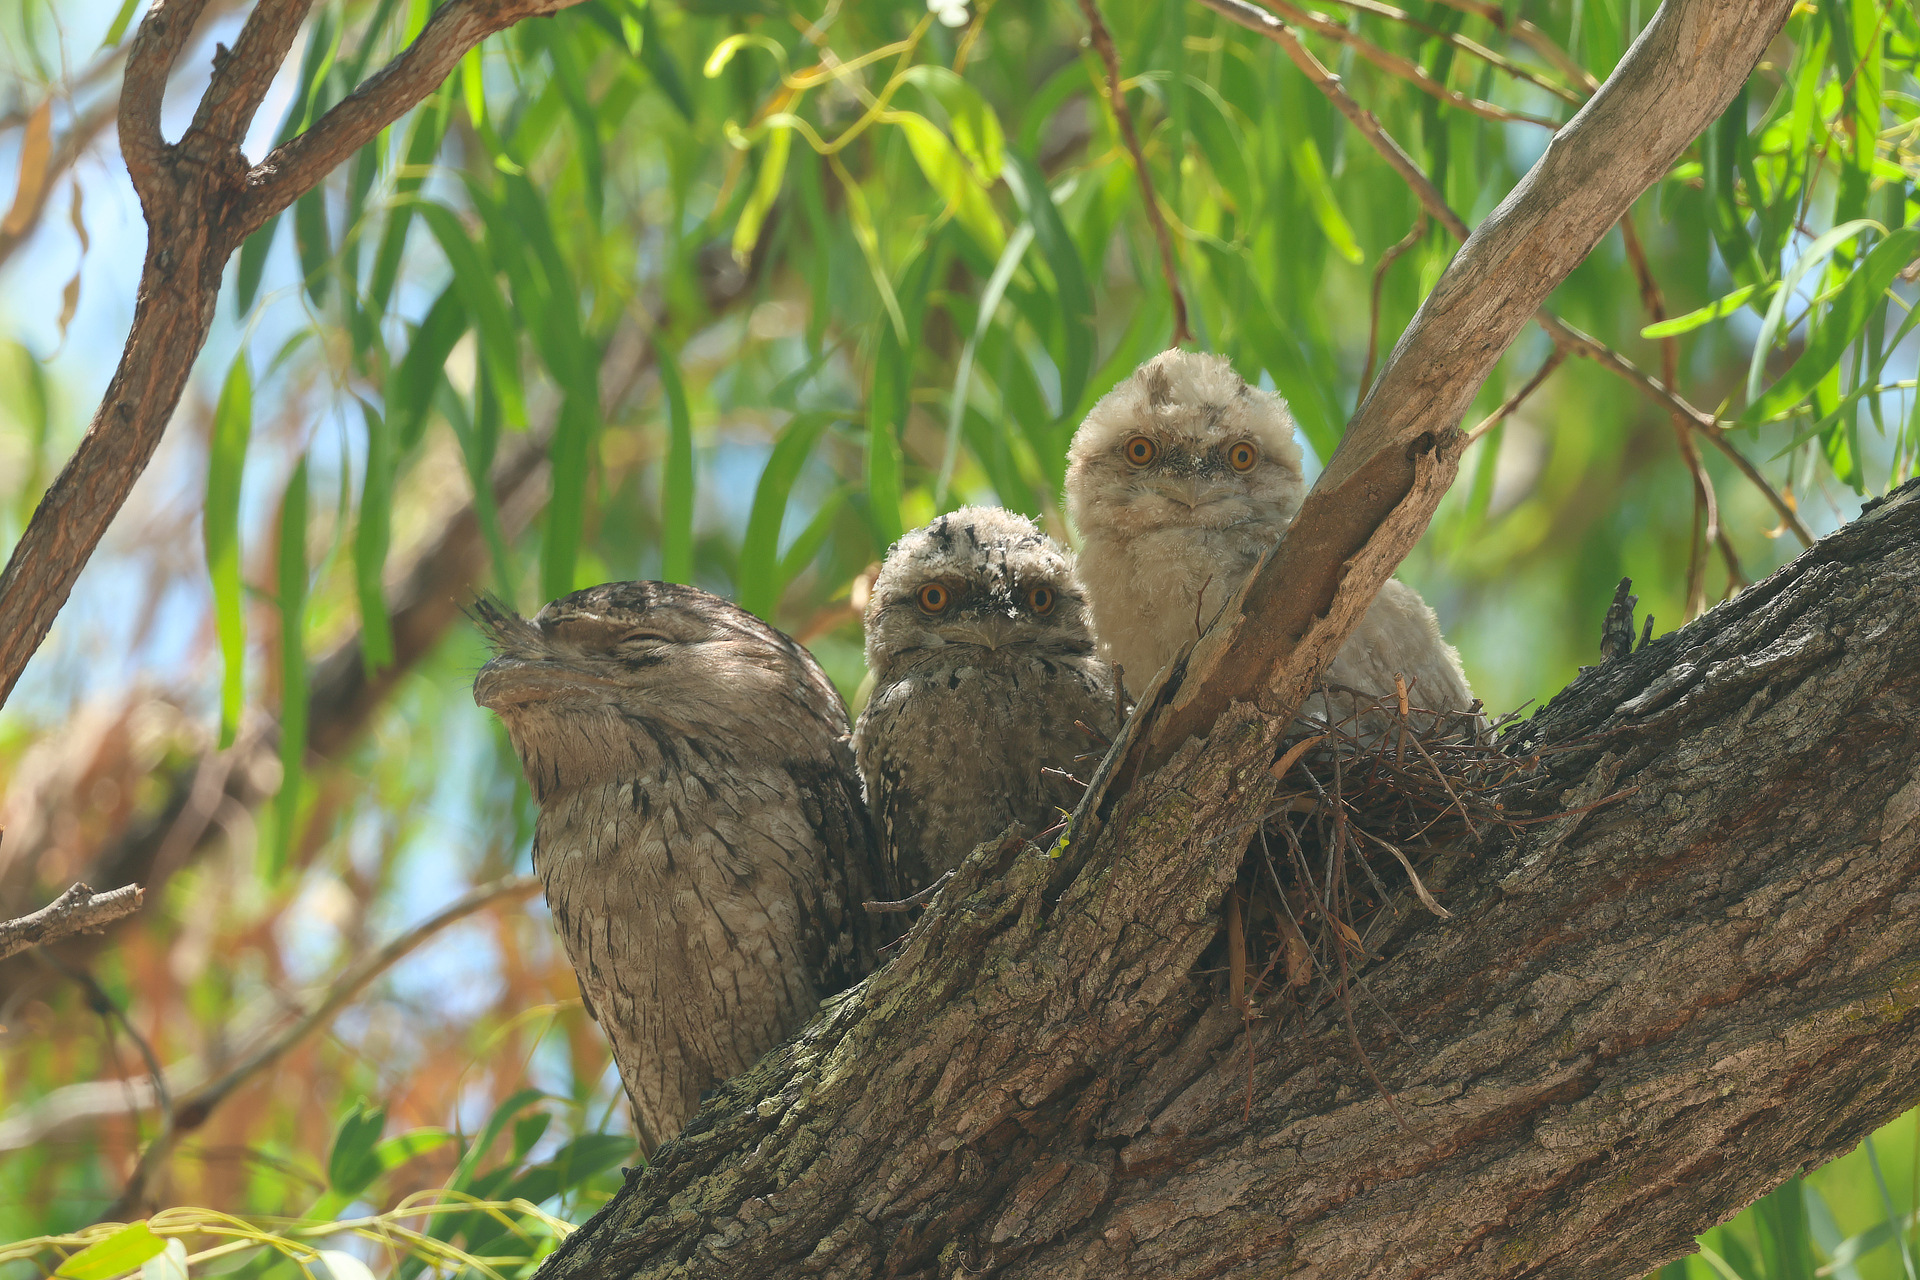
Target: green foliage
(747, 291)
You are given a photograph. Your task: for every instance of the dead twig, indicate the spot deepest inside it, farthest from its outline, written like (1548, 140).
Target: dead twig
(1117, 98)
(1518, 398)
(1563, 334)
(911, 901)
(201, 199)
(78, 910)
(1405, 69)
(192, 1110)
(1387, 260)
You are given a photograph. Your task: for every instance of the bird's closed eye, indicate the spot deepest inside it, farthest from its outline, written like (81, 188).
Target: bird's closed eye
(641, 640)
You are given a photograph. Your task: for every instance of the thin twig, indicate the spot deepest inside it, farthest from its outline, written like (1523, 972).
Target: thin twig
(191, 1111)
(911, 900)
(1117, 97)
(111, 1012)
(1562, 333)
(1704, 530)
(77, 910)
(1473, 48)
(1402, 68)
(1387, 260)
(1518, 398)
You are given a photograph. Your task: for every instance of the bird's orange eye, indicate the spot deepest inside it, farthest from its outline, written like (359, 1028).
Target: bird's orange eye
(934, 598)
(1140, 450)
(1040, 600)
(1242, 454)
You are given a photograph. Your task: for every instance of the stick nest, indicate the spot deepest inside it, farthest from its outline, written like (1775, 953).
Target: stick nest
(1373, 793)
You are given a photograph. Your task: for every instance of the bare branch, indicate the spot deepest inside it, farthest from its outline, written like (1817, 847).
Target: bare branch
(294, 167)
(1400, 452)
(242, 75)
(1473, 48)
(200, 202)
(1519, 397)
(150, 58)
(191, 1111)
(1387, 259)
(77, 910)
(1562, 333)
(1405, 69)
(1117, 97)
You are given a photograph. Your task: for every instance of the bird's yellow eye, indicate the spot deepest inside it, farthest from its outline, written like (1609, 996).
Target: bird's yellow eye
(1140, 450)
(1040, 600)
(934, 598)
(1242, 454)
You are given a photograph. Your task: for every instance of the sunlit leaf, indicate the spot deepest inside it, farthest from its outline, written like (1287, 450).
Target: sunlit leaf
(291, 581)
(373, 531)
(226, 460)
(757, 581)
(953, 180)
(976, 129)
(1714, 310)
(766, 188)
(676, 477)
(1798, 382)
(120, 1252)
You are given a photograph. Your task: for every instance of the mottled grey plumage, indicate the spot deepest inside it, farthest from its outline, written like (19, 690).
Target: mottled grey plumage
(1179, 480)
(975, 690)
(701, 838)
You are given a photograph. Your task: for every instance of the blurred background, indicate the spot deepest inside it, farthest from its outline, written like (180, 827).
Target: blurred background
(733, 292)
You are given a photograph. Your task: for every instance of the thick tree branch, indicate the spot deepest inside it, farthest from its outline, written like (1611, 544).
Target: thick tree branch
(1035, 1084)
(1271, 644)
(242, 75)
(155, 48)
(200, 202)
(77, 910)
(1641, 1017)
(1564, 335)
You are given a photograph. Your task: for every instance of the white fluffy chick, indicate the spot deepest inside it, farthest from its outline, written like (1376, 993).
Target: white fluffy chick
(1179, 480)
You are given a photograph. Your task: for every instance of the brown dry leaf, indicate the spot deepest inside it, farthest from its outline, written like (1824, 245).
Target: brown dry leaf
(1299, 958)
(36, 148)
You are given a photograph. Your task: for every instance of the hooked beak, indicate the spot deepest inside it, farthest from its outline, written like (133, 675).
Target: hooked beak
(510, 682)
(988, 632)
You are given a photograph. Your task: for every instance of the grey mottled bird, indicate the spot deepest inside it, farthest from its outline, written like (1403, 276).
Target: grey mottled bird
(701, 837)
(1179, 480)
(982, 660)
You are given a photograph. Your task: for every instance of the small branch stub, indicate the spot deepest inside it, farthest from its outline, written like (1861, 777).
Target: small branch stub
(78, 910)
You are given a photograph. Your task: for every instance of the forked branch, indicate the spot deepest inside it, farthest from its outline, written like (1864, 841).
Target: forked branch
(200, 199)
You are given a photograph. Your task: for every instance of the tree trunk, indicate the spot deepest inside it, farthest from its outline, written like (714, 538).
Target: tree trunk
(1640, 1018)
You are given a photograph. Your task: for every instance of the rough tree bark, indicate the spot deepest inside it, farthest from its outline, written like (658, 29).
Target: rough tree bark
(200, 199)
(1638, 1020)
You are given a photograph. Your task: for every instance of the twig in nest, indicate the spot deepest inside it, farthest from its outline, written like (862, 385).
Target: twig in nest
(1048, 771)
(912, 900)
(1105, 742)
